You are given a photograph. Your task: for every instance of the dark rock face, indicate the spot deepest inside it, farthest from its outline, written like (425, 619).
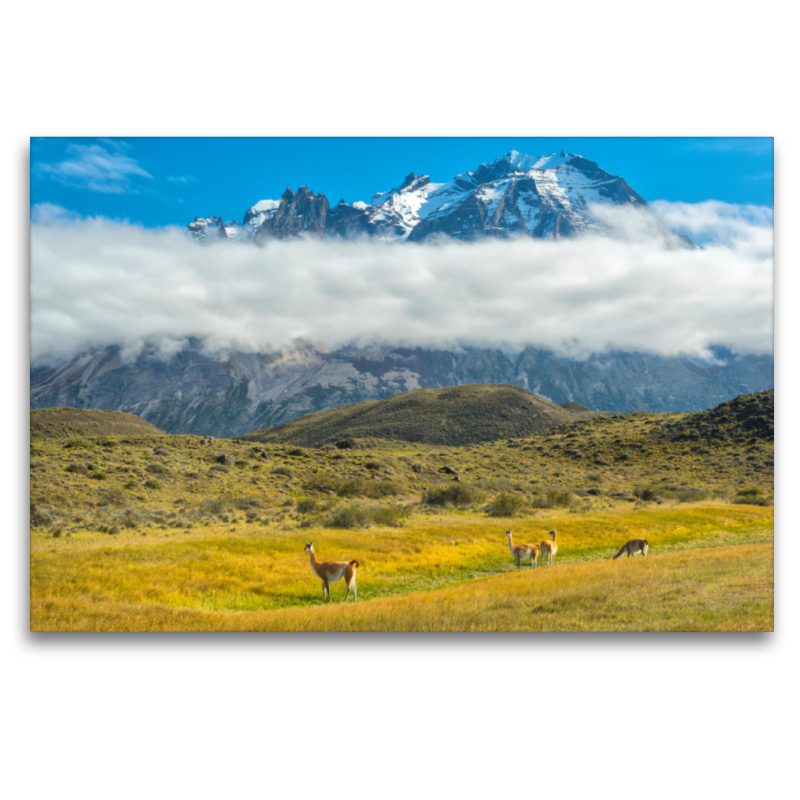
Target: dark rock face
(301, 213)
(347, 222)
(235, 393)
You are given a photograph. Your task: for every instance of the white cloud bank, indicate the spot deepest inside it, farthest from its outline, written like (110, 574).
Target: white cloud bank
(96, 282)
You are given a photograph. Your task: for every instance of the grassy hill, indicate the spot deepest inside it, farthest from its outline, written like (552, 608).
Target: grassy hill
(747, 418)
(455, 415)
(55, 423)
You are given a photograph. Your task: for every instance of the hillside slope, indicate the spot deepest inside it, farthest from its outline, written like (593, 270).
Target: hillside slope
(455, 415)
(54, 423)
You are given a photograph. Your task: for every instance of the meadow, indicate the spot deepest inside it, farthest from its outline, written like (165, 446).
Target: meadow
(132, 529)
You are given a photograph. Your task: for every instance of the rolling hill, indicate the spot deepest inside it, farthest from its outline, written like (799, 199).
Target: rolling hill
(455, 415)
(54, 423)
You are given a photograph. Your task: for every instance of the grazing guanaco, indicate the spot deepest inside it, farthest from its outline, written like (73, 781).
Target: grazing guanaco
(520, 551)
(331, 571)
(549, 550)
(633, 547)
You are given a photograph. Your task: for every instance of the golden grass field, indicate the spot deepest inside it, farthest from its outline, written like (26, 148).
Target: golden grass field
(413, 578)
(155, 533)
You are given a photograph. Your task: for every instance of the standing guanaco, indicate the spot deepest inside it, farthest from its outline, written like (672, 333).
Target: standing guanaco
(549, 550)
(331, 571)
(633, 547)
(520, 551)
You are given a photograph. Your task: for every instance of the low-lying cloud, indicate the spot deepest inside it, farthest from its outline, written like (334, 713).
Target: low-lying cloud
(96, 282)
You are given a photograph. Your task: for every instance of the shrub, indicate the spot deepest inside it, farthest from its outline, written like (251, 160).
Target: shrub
(456, 494)
(305, 505)
(80, 469)
(285, 471)
(647, 493)
(751, 497)
(39, 517)
(354, 487)
(381, 488)
(552, 498)
(152, 483)
(213, 506)
(356, 516)
(506, 505)
(679, 494)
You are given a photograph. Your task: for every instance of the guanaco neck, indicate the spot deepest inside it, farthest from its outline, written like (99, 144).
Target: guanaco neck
(511, 545)
(314, 562)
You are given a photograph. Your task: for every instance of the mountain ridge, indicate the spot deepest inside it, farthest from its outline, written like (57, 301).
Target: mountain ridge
(233, 393)
(546, 196)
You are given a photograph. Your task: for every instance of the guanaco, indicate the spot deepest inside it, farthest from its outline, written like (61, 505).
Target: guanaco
(520, 551)
(331, 571)
(549, 550)
(633, 547)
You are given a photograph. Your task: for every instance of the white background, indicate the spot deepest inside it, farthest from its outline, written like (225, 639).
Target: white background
(389, 716)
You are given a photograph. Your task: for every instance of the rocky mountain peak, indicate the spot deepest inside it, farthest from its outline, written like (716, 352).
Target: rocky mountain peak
(297, 214)
(544, 196)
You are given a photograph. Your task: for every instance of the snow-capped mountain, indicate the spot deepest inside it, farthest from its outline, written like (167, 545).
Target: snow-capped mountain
(545, 196)
(542, 196)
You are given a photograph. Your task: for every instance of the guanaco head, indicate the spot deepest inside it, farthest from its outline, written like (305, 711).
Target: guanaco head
(309, 547)
(508, 533)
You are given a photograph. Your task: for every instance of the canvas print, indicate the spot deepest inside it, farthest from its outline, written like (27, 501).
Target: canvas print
(401, 384)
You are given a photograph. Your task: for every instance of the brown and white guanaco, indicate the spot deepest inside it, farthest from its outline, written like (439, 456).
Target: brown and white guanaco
(522, 551)
(633, 547)
(549, 550)
(331, 571)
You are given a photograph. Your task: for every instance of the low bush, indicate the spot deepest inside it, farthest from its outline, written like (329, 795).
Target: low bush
(305, 505)
(456, 494)
(213, 506)
(552, 498)
(751, 497)
(356, 516)
(506, 505)
(40, 518)
(354, 487)
(157, 469)
(678, 494)
(80, 469)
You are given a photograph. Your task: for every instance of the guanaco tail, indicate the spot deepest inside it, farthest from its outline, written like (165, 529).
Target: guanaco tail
(633, 547)
(331, 571)
(522, 551)
(549, 550)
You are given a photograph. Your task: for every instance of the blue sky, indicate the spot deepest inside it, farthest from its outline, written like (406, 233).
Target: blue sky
(169, 181)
